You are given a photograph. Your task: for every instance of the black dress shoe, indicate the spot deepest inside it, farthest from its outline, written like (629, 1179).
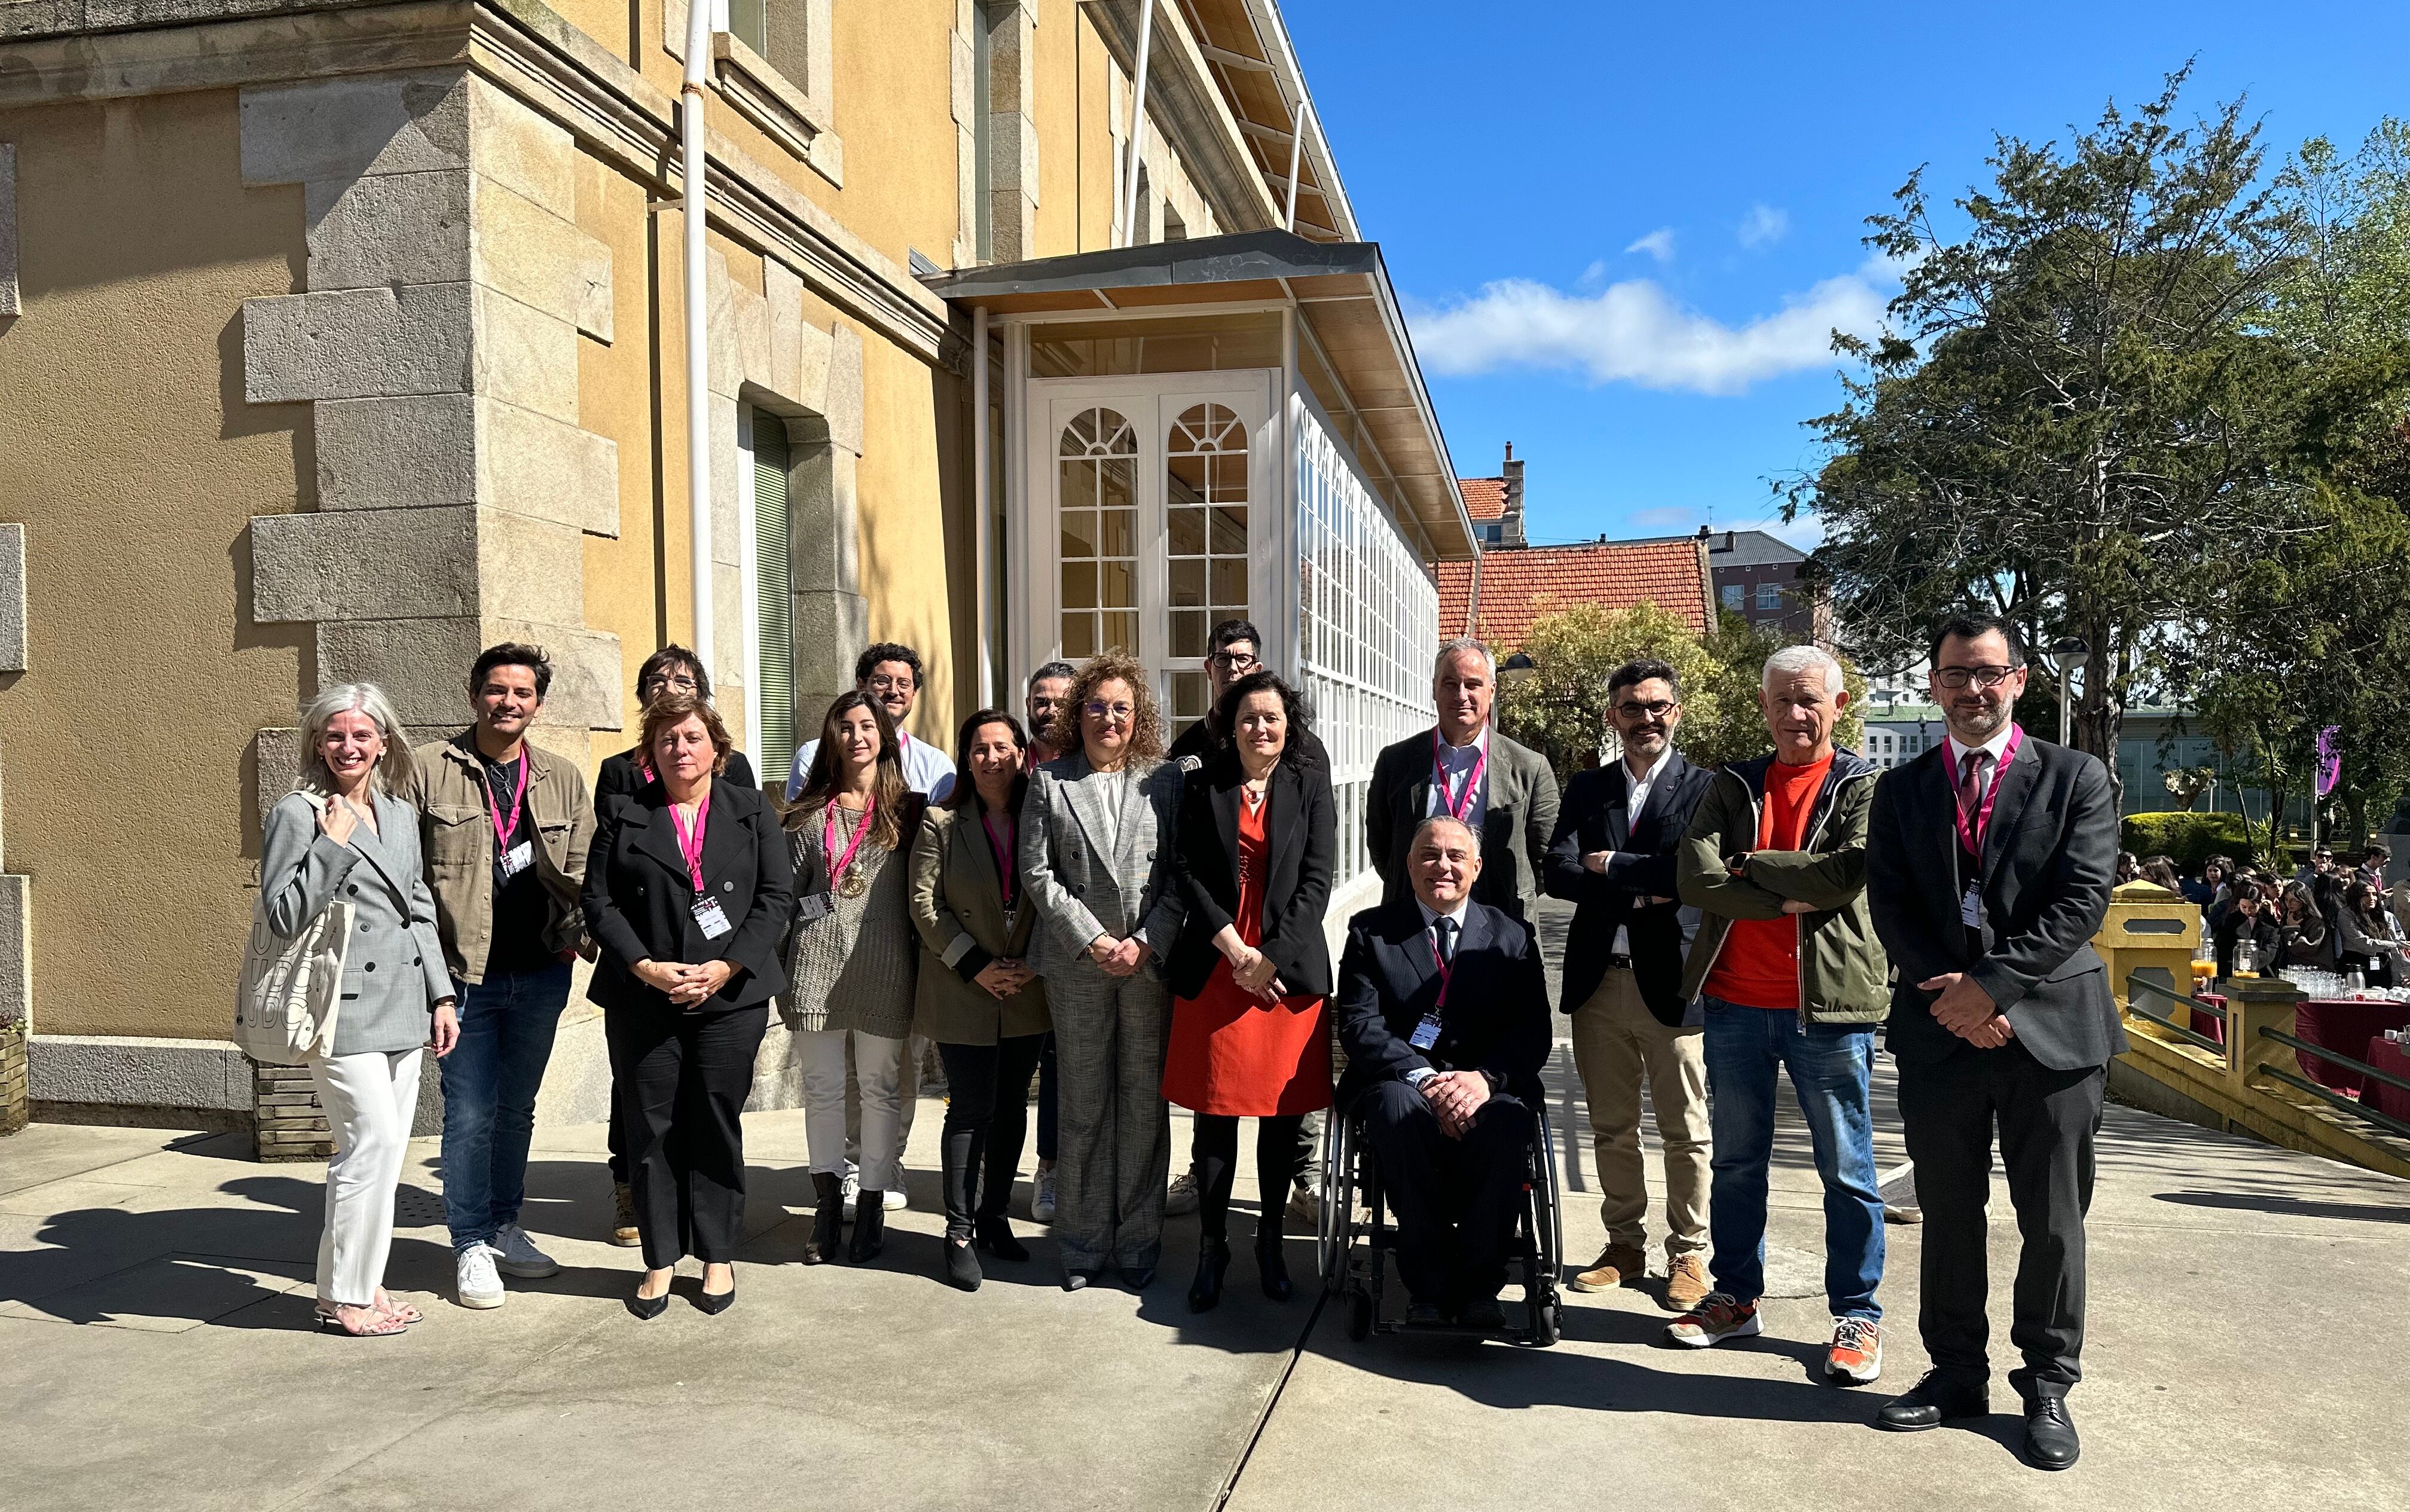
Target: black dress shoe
(1484, 1314)
(713, 1304)
(2049, 1434)
(1139, 1279)
(1425, 1316)
(1272, 1267)
(649, 1307)
(1212, 1259)
(828, 1224)
(995, 1235)
(962, 1263)
(1933, 1400)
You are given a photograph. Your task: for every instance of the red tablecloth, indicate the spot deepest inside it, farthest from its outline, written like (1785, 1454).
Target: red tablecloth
(2346, 1026)
(2387, 1055)
(2211, 1024)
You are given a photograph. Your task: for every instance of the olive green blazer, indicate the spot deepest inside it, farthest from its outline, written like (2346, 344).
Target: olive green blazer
(957, 905)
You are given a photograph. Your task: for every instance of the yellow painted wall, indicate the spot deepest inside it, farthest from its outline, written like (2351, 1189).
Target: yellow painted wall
(130, 457)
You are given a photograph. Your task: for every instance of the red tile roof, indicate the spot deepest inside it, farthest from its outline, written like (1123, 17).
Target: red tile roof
(1485, 499)
(1617, 575)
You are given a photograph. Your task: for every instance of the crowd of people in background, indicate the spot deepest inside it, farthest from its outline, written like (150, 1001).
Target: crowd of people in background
(2332, 914)
(1133, 926)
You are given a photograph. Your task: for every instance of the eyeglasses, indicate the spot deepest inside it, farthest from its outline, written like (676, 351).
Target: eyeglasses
(1237, 660)
(1658, 710)
(682, 682)
(879, 683)
(1099, 710)
(1954, 678)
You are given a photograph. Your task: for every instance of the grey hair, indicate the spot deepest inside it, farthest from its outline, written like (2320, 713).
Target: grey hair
(393, 769)
(1793, 659)
(1434, 821)
(1457, 648)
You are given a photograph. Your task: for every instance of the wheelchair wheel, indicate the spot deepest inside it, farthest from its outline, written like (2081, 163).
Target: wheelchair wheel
(1547, 1324)
(1338, 1203)
(1359, 1316)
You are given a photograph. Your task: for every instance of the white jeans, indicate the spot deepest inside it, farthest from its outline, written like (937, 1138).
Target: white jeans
(370, 1102)
(878, 1068)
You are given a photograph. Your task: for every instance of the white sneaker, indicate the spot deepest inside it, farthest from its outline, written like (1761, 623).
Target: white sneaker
(895, 1201)
(476, 1283)
(1182, 1195)
(1041, 1195)
(516, 1254)
(1305, 1207)
(852, 1190)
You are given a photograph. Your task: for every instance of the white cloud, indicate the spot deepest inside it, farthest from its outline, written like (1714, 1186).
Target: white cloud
(1763, 226)
(1658, 244)
(1635, 332)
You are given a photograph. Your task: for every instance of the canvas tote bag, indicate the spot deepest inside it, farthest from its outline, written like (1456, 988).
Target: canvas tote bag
(284, 1011)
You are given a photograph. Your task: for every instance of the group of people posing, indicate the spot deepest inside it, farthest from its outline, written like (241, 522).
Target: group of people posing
(1135, 926)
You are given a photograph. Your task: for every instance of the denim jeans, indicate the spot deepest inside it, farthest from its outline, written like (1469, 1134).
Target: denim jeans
(507, 1022)
(1830, 1065)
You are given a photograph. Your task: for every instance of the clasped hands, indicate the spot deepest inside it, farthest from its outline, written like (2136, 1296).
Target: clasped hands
(1117, 957)
(1967, 1011)
(686, 985)
(1004, 976)
(1455, 1097)
(1595, 862)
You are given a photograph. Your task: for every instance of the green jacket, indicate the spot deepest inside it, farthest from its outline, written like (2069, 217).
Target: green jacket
(1844, 976)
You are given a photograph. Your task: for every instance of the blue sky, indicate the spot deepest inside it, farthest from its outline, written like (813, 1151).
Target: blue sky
(1624, 231)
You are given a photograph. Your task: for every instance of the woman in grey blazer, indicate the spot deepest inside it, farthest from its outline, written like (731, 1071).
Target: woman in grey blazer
(344, 835)
(1095, 852)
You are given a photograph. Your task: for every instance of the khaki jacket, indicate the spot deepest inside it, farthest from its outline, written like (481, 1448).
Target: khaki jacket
(958, 908)
(457, 836)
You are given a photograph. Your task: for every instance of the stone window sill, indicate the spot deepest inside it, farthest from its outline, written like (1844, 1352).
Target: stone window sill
(760, 94)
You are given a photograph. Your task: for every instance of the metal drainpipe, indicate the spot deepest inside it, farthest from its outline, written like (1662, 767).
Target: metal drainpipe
(698, 324)
(981, 504)
(1298, 119)
(1137, 122)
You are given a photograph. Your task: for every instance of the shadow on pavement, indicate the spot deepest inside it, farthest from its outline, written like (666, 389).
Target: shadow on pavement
(2291, 1206)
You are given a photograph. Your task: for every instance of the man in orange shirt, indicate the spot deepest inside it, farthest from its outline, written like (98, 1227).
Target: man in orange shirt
(1790, 977)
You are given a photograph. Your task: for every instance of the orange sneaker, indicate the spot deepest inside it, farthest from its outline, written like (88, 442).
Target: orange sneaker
(1856, 1355)
(1713, 1321)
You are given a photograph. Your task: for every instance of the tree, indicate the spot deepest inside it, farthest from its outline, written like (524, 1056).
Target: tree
(2079, 405)
(1732, 725)
(1561, 707)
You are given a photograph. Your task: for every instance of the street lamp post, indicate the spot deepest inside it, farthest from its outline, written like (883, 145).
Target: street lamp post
(2067, 655)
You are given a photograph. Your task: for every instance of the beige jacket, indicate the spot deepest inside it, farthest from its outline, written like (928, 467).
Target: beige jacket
(457, 836)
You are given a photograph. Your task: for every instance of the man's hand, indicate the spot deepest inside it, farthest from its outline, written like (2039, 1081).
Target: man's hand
(1595, 862)
(1456, 1097)
(1992, 1033)
(1795, 906)
(1962, 1006)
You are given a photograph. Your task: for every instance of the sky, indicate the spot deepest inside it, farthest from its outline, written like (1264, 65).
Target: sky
(1623, 233)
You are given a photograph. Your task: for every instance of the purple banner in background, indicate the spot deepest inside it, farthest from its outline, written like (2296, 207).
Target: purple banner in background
(2329, 760)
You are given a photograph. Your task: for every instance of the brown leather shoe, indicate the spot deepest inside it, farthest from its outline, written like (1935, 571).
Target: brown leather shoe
(1619, 1265)
(1686, 1281)
(623, 1222)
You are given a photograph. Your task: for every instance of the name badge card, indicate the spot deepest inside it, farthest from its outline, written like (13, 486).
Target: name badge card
(1970, 908)
(518, 858)
(713, 922)
(1427, 1032)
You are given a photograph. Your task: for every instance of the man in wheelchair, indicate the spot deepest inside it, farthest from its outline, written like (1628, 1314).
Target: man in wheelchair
(1443, 1011)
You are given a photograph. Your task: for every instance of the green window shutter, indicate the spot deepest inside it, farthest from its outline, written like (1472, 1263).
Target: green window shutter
(773, 594)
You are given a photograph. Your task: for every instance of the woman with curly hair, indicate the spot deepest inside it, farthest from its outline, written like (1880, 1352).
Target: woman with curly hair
(1095, 837)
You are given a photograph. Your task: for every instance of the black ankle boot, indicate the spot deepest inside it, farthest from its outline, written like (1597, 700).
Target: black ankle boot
(1271, 1263)
(995, 1235)
(962, 1262)
(1212, 1258)
(828, 1222)
(869, 1225)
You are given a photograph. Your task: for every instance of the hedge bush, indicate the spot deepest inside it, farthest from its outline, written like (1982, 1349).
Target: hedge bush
(2187, 840)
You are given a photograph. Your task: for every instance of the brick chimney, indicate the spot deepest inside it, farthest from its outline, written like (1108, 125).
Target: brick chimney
(1510, 528)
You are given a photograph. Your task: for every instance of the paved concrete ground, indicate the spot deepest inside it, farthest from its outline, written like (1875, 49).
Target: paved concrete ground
(2247, 1348)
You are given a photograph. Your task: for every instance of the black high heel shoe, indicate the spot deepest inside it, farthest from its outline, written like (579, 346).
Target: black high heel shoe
(995, 1237)
(962, 1263)
(649, 1307)
(1212, 1258)
(1272, 1267)
(869, 1227)
(713, 1304)
(828, 1223)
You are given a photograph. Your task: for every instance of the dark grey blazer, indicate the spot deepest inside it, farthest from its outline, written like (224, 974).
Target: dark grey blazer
(2050, 860)
(393, 962)
(1518, 819)
(1081, 888)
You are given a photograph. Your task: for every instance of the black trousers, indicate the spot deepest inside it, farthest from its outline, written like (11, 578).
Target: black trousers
(1278, 1156)
(1454, 1199)
(2046, 1120)
(680, 1080)
(987, 1116)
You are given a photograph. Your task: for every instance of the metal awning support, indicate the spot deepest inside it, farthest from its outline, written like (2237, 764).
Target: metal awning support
(1296, 152)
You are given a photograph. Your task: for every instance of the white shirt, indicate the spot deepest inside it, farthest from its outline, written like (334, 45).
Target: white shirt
(1457, 763)
(1637, 787)
(1993, 747)
(1420, 1074)
(926, 770)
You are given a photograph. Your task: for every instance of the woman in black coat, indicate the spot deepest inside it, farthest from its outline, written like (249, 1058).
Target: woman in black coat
(687, 891)
(1250, 971)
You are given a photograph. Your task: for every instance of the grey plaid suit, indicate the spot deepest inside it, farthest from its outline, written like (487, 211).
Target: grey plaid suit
(1113, 1145)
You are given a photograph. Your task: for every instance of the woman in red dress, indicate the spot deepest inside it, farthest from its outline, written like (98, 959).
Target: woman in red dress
(1249, 971)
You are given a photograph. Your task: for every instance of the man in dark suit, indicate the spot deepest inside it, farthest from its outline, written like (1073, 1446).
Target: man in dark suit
(1989, 865)
(1462, 767)
(1443, 1011)
(1613, 859)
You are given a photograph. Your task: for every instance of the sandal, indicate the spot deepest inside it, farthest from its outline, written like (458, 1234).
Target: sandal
(374, 1325)
(408, 1315)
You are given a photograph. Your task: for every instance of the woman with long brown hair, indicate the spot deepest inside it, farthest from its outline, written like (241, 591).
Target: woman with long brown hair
(1095, 848)
(850, 961)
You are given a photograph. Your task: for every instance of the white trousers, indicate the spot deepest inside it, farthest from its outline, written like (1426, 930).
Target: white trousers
(370, 1102)
(878, 1068)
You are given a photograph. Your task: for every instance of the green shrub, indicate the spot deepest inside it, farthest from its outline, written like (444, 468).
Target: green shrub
(2187, 840)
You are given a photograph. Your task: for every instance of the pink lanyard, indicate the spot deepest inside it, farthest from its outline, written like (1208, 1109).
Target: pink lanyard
(1461, 804)
(837, 863)
(1003, 850)
(691, 844)
(505, 829)
(1970, 834)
